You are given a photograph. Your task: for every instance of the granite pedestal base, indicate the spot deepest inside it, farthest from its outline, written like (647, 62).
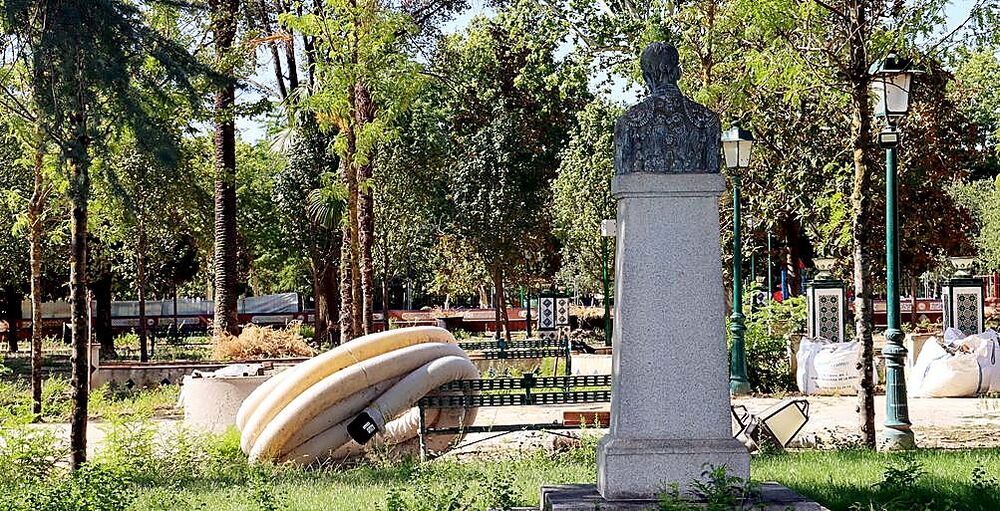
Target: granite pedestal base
(629, 468)
(584, 497)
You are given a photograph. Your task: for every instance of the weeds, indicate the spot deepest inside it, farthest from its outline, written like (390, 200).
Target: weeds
(717, 490)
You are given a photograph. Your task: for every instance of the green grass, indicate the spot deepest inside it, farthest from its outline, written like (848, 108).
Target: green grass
(841, 480)
(149, 469)
(944, 479)
(358, 488)
(106, 402)
(184, 470)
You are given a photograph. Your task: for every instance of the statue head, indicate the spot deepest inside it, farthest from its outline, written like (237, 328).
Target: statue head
(660, 65)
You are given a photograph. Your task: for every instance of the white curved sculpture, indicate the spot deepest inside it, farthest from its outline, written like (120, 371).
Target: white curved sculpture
(303, 413)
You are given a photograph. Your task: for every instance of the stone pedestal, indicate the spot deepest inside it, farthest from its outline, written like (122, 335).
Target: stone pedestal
(584, 497)
(670, 414)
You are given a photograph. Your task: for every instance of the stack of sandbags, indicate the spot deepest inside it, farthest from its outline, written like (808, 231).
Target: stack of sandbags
(960, 366)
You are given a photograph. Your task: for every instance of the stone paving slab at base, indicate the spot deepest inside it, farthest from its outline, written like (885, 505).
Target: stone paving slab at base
(584, 497)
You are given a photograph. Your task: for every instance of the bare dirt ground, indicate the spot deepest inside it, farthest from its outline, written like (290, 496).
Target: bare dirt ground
(938, 423)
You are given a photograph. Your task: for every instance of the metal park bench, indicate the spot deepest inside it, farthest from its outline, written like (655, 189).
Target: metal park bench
(528, 390)
(501, 349)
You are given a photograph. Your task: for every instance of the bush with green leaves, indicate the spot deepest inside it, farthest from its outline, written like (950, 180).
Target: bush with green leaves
(766, 343)
(768, 366)
(33, 476)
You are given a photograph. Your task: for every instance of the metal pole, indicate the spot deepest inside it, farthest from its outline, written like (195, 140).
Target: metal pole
(898, 434)
(770, 277)
(528, 315)
(607, 295)
(738, 383)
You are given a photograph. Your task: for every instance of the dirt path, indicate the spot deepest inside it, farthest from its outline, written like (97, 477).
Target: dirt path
(944, 423)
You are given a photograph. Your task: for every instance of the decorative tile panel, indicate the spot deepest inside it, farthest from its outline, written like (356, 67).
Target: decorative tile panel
(828, 318)
(826, 304)
(562, 311)
(546, 313)
(967, 311)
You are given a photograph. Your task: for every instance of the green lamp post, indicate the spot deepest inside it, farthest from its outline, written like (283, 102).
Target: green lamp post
(891, 81)
(607, 231)
(736, 145)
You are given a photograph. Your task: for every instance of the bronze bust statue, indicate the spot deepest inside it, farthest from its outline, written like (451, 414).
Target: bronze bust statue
(666, 133)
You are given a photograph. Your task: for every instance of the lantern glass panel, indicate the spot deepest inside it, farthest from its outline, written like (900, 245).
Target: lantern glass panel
(892, 94)
(737, 153)
(743, 151)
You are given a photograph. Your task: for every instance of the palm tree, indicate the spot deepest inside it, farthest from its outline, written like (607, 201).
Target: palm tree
(224, 14)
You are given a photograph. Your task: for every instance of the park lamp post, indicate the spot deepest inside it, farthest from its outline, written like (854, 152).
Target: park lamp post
(736, 145)
(608, 228)
(891, 81)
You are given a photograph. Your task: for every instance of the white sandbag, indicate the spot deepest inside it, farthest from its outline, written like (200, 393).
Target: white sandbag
(930, 352)
(989, 333)
(837, 366)
(953, 336)
(938, 373)
(805, 372)
(986, 349)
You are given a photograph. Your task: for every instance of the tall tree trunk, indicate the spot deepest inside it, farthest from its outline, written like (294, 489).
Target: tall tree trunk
(350, 252)
(79, 191)
(500, 302)
(484, 297)
(12, 309)
(224, 14)
(386, 280)
(140, 266)
(36, 208)
(264, 15)
(860, 225)
(385, 303)
(346, 287)
(326, 295)
(176, 326)
(364, 114)
(795, 246)
(100, 289)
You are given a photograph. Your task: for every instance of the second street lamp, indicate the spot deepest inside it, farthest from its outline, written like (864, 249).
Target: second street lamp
(736, 145)
(891, 81)
(607, 231)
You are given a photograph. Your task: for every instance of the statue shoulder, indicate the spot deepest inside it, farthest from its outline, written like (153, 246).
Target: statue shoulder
(700, 115)
(636, 116)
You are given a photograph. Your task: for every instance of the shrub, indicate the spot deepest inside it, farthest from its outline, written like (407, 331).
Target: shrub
(28, 456)
(788, 316)
(15, 400)
(768, 367)
(33, 476)
(262, 342)
(765, 343)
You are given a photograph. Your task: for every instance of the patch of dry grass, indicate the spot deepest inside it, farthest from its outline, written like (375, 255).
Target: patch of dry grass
(256, 342)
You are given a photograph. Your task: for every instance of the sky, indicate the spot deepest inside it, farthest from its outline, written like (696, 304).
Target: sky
(254, 129)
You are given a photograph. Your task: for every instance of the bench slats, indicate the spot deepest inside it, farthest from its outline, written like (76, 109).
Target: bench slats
(540, 398)
(523, 354)
(533, 382)
(513, 345)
